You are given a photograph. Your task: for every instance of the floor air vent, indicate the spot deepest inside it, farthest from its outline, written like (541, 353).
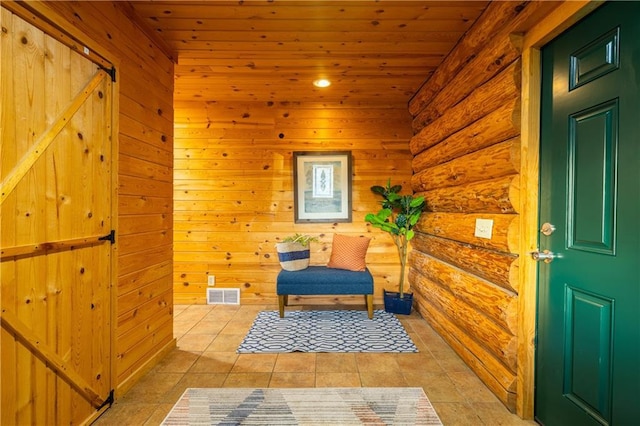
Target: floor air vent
(223, 296)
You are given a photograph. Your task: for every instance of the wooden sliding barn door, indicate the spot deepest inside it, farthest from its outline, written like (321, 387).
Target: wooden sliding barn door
(56, 171)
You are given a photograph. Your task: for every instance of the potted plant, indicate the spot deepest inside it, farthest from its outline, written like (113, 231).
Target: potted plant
(293, 251)
(398, 216)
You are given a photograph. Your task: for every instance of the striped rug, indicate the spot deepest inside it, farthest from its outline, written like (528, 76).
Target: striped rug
(303, 406)
(326, 331)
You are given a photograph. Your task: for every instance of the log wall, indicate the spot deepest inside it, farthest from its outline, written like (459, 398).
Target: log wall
(144, 75)
(466, 162)
(233, 189)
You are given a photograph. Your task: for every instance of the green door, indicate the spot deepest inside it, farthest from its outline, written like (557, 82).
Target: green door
(588, 343)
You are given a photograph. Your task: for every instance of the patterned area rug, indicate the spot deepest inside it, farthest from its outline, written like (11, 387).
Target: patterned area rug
(326, 331)
(307, 406)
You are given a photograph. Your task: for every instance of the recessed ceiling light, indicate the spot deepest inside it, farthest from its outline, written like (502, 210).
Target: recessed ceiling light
(322, 82)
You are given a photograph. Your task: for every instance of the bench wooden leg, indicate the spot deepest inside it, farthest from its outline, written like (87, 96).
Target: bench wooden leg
(282, 301)
(369, 301)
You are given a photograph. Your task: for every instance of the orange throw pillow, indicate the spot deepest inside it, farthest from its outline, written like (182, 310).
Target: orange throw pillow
(348, 252)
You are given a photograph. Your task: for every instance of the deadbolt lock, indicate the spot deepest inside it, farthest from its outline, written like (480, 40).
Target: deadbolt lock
(547, 228)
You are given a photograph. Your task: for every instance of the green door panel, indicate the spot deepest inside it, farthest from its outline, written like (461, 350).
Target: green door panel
(588, 330)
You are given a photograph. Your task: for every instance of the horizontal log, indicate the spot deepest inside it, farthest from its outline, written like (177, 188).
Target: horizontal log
(502, 344)
(498, 126)
(497, 303)
(495, 17)
(496, 161)
(492, 372)
(496, 92)
(498, 268)
(518, 20)
(461, 227)
(500, 195)
(496, 56)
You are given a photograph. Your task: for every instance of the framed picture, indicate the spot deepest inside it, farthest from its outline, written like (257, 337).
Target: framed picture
(322, 186)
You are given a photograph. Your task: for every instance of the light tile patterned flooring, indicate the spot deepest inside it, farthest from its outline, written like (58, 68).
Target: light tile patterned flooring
(208, 336)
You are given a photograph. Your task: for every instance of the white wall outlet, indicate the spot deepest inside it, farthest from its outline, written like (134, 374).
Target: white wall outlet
(211, 280)
(484, 227)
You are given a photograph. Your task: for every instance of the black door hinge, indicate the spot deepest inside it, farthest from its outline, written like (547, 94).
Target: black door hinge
(108, 401)
(111, 236)
(111, 71)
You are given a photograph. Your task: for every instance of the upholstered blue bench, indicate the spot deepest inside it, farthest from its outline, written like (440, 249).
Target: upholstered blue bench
(320, 280)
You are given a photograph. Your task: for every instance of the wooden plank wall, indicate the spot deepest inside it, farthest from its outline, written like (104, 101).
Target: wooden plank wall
(466, 148)
(144, 309)
(233, 189)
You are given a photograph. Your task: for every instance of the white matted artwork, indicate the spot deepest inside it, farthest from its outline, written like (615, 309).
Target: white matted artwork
(322, 186)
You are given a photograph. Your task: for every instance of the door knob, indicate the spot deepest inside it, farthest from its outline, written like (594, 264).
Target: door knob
(546, 256)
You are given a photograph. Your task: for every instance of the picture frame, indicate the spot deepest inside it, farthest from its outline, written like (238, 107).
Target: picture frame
(322, 186)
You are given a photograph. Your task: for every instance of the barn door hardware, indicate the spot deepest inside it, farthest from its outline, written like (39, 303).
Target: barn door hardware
(111, 236)
(111, 71)
(108, 401)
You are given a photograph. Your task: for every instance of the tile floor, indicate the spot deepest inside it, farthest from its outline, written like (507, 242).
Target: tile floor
(207, 338)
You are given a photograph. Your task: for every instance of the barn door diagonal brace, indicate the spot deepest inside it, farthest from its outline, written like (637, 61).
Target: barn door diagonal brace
(40, 146)
(23, 333)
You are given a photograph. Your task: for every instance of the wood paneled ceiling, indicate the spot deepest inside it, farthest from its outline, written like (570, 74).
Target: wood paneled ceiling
(372, 51)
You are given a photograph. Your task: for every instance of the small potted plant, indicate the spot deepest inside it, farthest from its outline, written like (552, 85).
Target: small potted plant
(293, 251)
(398, 216)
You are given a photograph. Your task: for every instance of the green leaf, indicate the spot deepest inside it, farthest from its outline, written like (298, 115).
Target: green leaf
(393, 196)
(416, 202)
(378, 190)
(384, 214)
(410, 234)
